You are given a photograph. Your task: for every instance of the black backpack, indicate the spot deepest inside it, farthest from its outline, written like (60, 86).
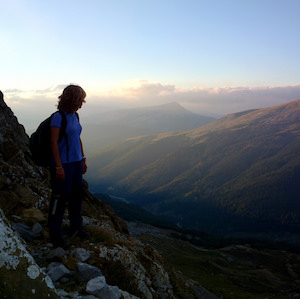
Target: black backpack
(39, 142)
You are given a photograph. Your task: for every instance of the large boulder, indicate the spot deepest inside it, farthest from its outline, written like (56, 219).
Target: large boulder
(20, 276)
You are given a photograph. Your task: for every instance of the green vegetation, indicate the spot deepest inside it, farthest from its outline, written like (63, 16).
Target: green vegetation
(131, 212)
(134, 213)
(236, 271)
(229, 267)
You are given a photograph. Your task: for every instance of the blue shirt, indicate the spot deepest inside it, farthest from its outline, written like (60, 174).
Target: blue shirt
(73, 131)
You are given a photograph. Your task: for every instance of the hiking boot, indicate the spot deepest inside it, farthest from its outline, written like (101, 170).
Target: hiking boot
(57, 239)
(59, 242)
(80, 233)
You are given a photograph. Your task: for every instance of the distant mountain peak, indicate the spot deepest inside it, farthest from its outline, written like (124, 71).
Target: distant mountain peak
(171, 107)
(159, 118)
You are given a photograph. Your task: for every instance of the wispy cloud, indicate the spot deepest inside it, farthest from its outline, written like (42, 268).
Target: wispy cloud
(50, 91)
(146, 89)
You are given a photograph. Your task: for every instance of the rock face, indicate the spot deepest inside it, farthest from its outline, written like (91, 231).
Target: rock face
(108, 264)
(23, 185)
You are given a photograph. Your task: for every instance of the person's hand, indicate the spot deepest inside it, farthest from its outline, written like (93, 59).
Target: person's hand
(60, 173)
(84, 166)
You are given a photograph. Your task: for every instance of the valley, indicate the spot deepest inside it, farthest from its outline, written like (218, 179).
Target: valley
(220, 202)
(235, 271)
(231, 268)
(238, 174)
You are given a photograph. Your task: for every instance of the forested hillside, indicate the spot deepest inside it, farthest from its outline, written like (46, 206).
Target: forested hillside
(240, 172)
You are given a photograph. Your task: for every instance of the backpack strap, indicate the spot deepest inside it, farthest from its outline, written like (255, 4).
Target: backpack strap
(63, 125)
(62, 132)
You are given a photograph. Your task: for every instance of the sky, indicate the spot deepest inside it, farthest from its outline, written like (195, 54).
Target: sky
(213, 57)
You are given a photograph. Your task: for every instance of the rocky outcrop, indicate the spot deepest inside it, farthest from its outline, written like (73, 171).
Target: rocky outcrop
(108, 264)
(22, 184)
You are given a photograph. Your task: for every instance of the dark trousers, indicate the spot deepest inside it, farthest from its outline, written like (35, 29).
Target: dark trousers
(68, 194)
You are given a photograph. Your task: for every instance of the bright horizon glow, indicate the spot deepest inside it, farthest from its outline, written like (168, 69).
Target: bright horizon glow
(213, 57)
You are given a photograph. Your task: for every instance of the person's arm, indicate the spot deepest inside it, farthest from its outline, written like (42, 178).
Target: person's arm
(84, 166)
(60, 173)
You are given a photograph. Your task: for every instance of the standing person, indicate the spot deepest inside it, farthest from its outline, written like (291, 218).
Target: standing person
(69, 164)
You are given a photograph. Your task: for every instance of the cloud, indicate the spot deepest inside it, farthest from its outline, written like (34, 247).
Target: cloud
(31, 107)
(31, 93)
(146, 89)
(10, 91)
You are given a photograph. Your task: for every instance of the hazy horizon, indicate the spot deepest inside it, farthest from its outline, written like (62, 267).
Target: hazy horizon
(32, 107)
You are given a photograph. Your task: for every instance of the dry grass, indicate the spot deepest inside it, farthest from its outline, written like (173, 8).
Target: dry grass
(100, 234)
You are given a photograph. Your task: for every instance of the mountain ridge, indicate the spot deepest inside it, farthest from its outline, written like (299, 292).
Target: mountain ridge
(239, 166)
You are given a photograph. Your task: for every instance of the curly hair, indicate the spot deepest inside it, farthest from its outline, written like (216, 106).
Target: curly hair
(71, 99)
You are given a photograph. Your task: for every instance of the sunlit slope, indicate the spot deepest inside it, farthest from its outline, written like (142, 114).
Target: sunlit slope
(243, 165)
